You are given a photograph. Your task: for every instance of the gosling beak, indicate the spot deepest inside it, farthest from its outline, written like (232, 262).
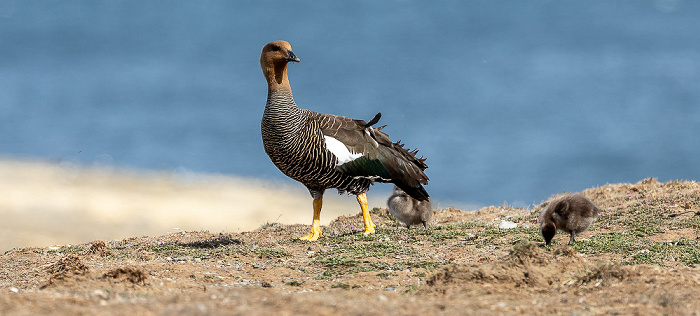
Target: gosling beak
(292, 57)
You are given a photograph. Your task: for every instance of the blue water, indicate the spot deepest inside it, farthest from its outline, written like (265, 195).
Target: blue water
(509, 100)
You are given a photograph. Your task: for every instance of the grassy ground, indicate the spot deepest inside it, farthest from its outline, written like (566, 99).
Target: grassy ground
(640, 257)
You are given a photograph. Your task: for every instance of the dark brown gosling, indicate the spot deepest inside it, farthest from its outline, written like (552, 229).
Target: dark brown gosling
(572, 214)
(409, 210)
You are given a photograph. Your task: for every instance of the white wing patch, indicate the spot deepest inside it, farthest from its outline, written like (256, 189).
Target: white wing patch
(340, 151)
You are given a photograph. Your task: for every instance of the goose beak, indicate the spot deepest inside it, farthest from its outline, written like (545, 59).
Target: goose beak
(292, 57)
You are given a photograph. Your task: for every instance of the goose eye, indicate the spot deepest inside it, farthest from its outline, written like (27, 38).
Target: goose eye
(275, 48)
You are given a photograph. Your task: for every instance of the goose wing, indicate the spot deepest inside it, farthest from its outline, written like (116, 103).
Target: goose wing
(365, 151)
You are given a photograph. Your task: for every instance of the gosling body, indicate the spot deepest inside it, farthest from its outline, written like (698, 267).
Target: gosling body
(572, 214)
(409, 210)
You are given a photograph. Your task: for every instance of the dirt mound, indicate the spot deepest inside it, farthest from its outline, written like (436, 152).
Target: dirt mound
(561, 281)
(527, 265)
(99, 248)
(133, 275)
(64, 269)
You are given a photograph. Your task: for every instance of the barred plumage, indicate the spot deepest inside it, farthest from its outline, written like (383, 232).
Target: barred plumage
(328, 151)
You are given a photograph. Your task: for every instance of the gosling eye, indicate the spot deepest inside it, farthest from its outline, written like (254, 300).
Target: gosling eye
(275, 48)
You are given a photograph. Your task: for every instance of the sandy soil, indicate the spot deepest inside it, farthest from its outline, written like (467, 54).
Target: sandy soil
(640, 257)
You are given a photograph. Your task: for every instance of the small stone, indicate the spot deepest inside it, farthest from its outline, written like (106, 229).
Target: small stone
(14, 290)
(389, 288)
(101, 294)
(507, 225)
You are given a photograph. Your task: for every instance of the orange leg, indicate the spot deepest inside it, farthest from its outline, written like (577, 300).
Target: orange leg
(316, 224)
(369, 226)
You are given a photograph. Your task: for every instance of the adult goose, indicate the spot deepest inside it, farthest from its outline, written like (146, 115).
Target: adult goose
(325, 151)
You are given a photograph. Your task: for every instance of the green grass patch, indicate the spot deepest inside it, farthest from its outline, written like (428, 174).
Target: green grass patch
(369, 250)
(373, 256)
(356, 266)
(694, 223)
(335, 263)
(295, 283)
(270, 253)
(67, 250)
(620, 243)
(636, 250)
(170, 250)
(343, 286)
(645, 230)
(445, 235)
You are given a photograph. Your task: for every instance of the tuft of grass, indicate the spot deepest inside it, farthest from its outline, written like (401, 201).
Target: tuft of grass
(169, 250)
(295, 283)
(68, 250)
(341, 285)
(270, 253)
(412, 288)
(334, 263)
(428, 265)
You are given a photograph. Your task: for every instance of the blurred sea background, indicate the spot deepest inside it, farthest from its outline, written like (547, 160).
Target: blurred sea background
(510, 101)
